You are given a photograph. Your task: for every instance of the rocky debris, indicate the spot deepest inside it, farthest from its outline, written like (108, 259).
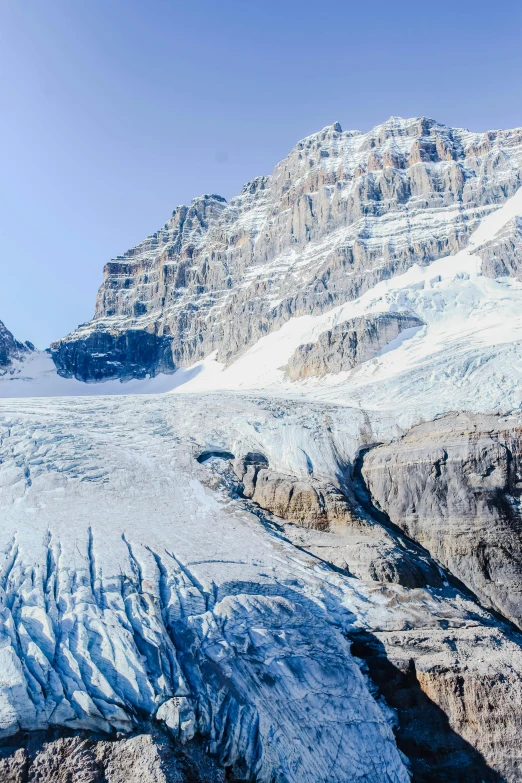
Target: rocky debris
(502, 257)
(342, 212)
(64, 757)
(454, 486)
(10, 348)
(348, 344)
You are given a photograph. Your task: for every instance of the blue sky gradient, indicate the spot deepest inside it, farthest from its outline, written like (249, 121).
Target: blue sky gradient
(116, 111)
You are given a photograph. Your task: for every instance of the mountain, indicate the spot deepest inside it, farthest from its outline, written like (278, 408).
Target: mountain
(11, 349)
(342, 212)
(261, 520)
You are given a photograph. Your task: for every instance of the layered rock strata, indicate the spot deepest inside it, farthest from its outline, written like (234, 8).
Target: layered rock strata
(454, 486)
(348, 344)
(342, 212)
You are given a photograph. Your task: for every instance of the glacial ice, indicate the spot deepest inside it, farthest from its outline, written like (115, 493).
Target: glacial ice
(130, 590)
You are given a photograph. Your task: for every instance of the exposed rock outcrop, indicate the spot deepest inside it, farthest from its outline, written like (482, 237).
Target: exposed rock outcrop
(457, 694)
(349, 344)
(63, 757)
(10, 348)
(502, 257)
(336, 528)
(342, 212)
(449, 671)
(454, 486)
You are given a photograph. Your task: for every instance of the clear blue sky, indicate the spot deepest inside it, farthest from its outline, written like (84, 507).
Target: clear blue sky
(116, 111)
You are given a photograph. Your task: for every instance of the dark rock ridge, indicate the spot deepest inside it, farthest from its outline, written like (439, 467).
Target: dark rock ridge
(348, 344)
(60, 756)
(10, 348)
(342, 212)
(131, 353)
(454, 485)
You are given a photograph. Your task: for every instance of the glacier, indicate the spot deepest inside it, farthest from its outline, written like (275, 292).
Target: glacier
(140, 586)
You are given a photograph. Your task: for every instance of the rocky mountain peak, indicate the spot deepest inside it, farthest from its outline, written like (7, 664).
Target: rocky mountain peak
(10, 348)
(341, 212)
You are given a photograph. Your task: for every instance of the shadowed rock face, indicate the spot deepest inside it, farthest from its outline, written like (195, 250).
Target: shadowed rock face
(10, 348)
(348, 344)
(342, 212)
(457, 701)
(454, 485)
(128, 354)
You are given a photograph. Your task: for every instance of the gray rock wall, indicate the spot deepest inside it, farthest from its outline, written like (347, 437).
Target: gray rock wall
(348, 344)
(342, 212)
(454, 486)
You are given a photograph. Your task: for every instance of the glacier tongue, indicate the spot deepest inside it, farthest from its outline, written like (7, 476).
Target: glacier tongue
(129, 591)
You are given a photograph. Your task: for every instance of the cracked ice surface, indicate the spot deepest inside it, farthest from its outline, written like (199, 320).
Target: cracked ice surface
(129, 589)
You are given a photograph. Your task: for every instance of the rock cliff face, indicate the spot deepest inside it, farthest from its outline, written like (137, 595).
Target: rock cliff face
(10, 348)
(348, 344)
(343, 211)
(454, 486)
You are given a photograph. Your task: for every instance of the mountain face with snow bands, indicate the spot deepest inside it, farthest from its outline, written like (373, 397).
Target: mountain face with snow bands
(261, 516)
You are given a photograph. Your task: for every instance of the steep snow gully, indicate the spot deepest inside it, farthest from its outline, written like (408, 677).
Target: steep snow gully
(255, 578)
